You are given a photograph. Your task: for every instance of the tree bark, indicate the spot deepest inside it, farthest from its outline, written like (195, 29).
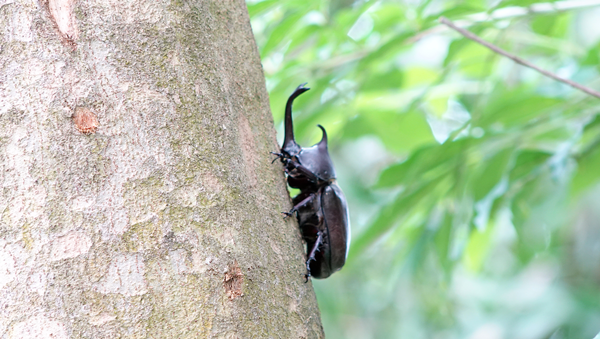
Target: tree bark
(138, 198)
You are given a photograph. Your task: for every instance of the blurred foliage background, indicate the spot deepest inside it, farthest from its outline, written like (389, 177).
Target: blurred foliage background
(473, 182)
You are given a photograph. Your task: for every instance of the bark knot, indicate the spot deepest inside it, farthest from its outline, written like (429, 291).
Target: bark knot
(85, 121)
(233, 281)
(62, 14)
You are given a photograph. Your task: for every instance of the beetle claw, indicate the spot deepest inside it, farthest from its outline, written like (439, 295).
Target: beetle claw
(287, 214)
(307, 274)
(279, 156)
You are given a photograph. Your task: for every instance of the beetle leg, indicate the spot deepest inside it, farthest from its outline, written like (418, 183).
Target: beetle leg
(311, 254)
(298, 205)
(279, 156)
(293, 168)
(302, 170)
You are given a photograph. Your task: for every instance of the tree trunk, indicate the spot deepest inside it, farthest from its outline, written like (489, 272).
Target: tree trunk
(138, 198)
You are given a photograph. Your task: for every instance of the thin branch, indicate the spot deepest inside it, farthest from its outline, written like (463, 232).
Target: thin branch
(516, 59)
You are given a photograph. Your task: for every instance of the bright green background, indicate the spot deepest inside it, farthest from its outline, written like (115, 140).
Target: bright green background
(472, 181)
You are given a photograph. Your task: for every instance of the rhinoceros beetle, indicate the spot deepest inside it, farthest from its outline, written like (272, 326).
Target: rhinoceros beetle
(320, 206)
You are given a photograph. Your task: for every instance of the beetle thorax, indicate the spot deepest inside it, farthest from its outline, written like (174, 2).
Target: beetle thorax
(317, 160)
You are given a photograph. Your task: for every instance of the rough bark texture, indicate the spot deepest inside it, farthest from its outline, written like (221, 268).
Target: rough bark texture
(138, 198)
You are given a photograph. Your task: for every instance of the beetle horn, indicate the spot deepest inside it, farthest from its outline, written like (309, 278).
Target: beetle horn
(323, 143)
(289, 142)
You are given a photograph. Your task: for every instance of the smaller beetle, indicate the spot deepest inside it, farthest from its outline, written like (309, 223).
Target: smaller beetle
(320, 206)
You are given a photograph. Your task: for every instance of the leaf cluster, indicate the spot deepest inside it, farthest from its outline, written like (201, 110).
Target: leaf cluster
(473, 182)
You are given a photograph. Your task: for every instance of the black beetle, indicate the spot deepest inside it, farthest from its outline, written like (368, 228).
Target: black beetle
(320, 206)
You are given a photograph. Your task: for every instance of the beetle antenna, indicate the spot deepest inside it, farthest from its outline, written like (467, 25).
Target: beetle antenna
(289, 143)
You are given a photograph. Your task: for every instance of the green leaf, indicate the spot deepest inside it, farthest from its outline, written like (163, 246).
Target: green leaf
(259, 7)
(477, 249)
(592, 57)
(427, 162)
(387, 49)
(511, 108)
(282, 32)
(588, 170)
(555, 25)
(398, 132)
(405, 203)
(489, 173)
(391, 79)
(442, 240)
(463, 49)
(528, 162)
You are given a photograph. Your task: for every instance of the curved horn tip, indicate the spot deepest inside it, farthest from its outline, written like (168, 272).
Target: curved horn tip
(301, 86)
(324, 139)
